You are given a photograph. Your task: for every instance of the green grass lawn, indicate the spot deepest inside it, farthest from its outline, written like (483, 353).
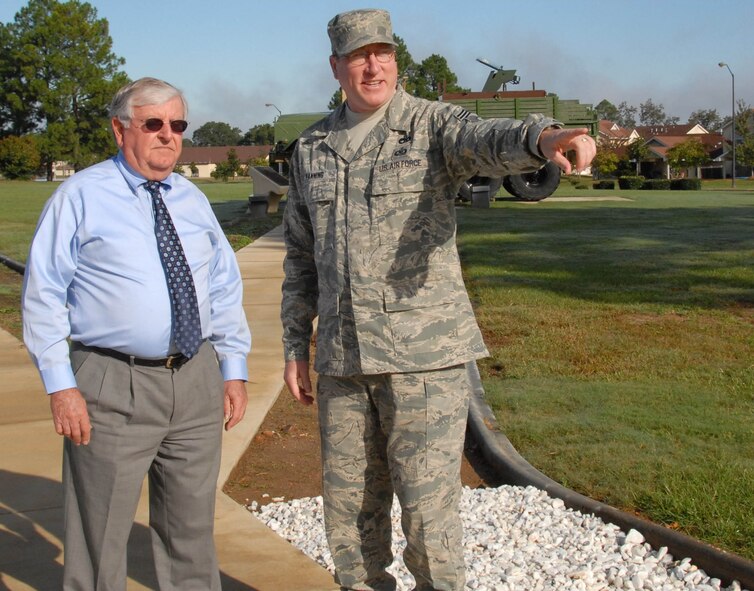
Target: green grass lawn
(621, 335)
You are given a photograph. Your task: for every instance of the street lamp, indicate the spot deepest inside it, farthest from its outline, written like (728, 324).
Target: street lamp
(733, 120)
(271, 105)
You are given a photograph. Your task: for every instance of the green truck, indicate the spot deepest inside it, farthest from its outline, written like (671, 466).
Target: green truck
(493, 101)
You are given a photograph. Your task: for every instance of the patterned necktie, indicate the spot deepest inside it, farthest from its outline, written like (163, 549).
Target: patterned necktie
(187, 329)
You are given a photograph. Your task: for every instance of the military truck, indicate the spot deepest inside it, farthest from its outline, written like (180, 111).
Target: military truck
(495, 100)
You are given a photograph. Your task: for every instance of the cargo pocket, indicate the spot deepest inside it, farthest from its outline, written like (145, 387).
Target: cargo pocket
(423, 319)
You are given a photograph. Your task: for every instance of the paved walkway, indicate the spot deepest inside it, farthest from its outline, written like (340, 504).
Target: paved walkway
(252, 557)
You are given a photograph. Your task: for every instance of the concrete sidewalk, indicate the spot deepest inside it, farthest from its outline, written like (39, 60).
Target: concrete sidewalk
(252, 557)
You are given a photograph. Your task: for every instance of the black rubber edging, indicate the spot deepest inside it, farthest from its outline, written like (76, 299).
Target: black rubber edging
(514, 469)
(11, 264)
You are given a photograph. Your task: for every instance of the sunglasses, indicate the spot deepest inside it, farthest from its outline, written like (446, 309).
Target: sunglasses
(154, 125)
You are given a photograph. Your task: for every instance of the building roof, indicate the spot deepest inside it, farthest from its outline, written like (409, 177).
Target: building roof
(613, 130)
(647, 131)
(215, 154)
(614, 136)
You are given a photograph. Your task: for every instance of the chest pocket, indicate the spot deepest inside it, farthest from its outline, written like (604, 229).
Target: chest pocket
(399, 199)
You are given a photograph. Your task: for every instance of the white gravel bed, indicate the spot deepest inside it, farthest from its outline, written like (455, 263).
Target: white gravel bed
(519, 539)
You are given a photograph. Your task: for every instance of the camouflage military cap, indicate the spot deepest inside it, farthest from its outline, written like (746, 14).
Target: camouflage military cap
(350, 30)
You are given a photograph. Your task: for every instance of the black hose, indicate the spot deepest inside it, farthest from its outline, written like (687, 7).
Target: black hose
(514, 469)
(11, 264)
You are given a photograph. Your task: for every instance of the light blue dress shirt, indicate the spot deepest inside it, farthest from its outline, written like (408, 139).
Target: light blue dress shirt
(94, 274)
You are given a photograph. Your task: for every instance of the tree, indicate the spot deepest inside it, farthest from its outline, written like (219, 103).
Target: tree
(744, 116)
(435, 76)
(744, 134)
(19, 157)
(222, 171)
(745, 154)
(259, 135)
(605, 162)
(59, 75)
(607, 110)
(335, 100)
(688, 154)
(403, 58)
(626, 115)
(636, 152)
(216, 133)
(227, 168)
(233, 162)
(707, 118)
(16, 118)
(651, 113)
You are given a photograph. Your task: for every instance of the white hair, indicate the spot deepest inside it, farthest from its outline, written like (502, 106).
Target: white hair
(144, 91)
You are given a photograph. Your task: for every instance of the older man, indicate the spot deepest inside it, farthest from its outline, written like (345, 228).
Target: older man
(130, 264)
(370, 235)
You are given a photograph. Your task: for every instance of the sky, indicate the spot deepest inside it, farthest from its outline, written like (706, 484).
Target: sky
(232, 57)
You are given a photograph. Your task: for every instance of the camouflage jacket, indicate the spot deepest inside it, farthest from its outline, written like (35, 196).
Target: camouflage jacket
(370, 236)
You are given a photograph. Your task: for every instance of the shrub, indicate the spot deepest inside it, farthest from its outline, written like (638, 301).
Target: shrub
(686, 184)
(604, 185)
(656, 185)
(19, 157)
(630, 182)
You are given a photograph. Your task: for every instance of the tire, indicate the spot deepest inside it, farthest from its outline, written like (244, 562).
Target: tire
(507, 185)
(534, 186)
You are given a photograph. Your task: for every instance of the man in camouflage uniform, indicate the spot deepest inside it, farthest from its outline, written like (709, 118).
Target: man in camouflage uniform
(370, 236)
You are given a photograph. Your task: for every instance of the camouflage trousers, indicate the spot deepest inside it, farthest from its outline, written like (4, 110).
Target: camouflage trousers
(403, 434)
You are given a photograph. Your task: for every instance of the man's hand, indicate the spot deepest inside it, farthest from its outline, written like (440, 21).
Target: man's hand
(235, 402)
(554, 143)
(69, 415)
(296, 376)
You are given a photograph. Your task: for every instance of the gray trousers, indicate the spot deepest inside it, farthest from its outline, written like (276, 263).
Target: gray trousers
(389, 433)
(156, 421)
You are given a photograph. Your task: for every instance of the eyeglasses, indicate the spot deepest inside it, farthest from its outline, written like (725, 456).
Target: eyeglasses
(359, 58)
(154, 125)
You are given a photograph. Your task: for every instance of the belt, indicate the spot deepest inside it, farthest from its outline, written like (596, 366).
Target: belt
(169, 362)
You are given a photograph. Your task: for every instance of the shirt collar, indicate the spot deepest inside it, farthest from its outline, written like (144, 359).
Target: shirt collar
(135, 179)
